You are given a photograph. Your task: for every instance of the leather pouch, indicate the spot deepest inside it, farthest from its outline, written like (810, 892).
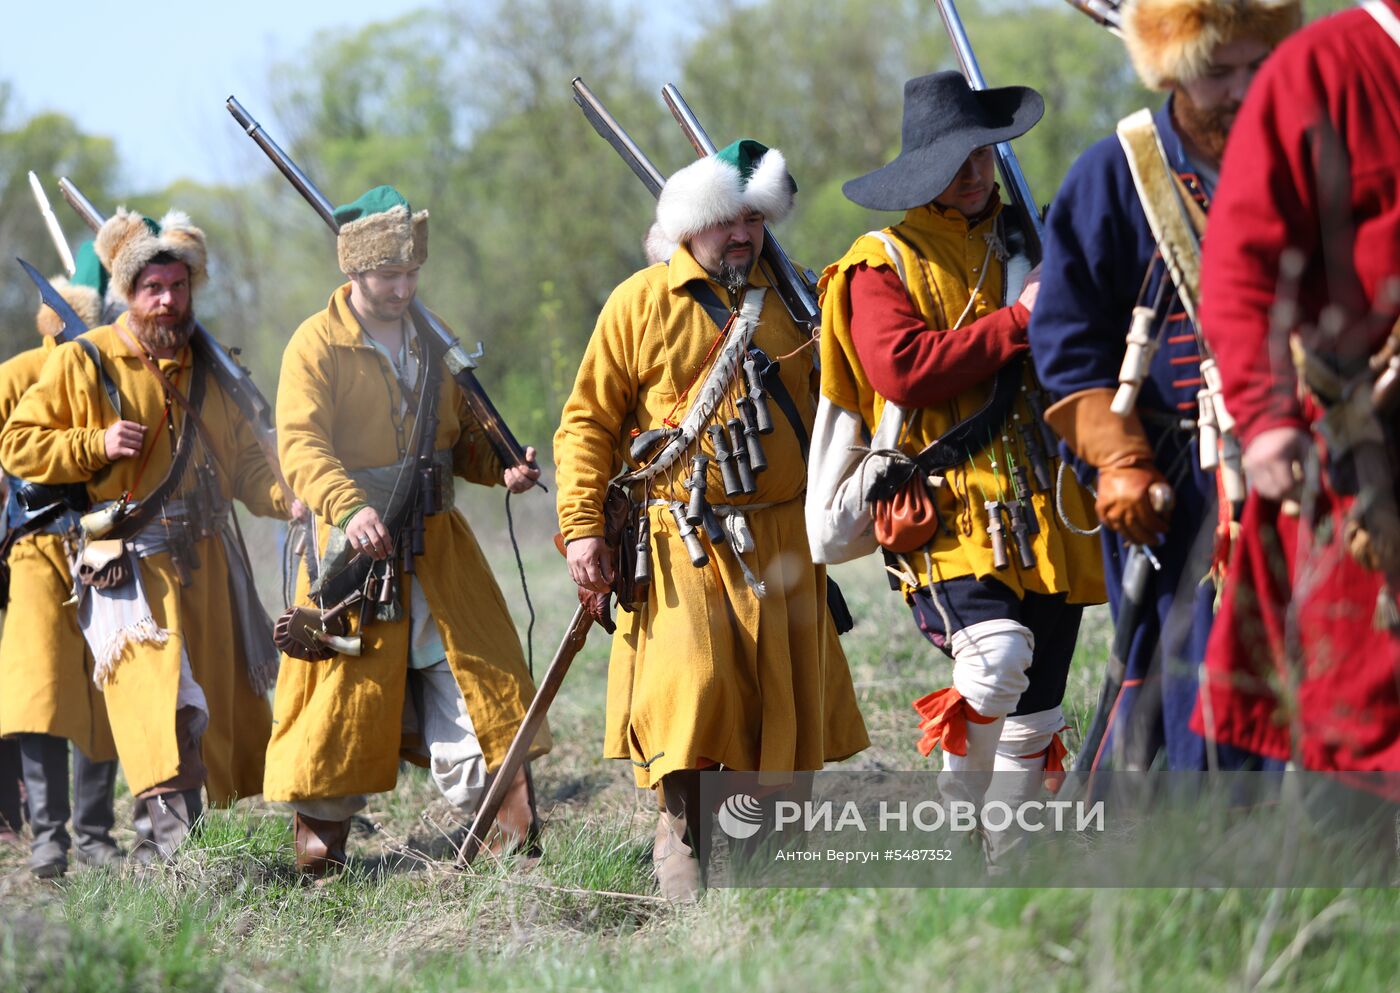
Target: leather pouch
(907, 520)
(104, 564)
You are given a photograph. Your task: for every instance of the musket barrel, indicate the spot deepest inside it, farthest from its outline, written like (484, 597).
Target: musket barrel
(284, 163)
(91, 216)
(689, 123)
(611, 132)
(1102, 11)
(1020, 190)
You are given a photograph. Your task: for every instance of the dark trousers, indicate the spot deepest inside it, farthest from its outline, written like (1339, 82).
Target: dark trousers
(45, 760)
(1151, 718)
(11, 774)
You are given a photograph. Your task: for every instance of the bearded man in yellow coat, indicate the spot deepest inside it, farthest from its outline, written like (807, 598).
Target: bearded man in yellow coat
(181, 647)
(916, 326)
(437, 675)
(47, 697)
(730, 658)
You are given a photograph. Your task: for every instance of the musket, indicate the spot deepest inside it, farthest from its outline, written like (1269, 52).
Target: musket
(60, 243)
(1022, 201)
(438, 337)
(1130, 611)
(794, 287)
(611, 132)
(1104, 12)
(235, 380)
(574, 637)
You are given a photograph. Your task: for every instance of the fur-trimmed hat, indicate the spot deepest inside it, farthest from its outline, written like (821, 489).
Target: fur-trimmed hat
(380, 228)
(128, 241)
(83, 299)
(745, 175)
(1171, 41)
(84, 293)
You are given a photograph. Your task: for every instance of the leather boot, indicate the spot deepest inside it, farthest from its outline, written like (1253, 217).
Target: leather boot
(11, 800)
(515, 821)
(679, 853)
(320, 845)
(144, 850)
(677, 868)
(173, 816)
(45, 761)
(93, 816)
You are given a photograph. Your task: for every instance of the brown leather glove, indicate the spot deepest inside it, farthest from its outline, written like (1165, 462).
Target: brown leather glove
(1134, 496)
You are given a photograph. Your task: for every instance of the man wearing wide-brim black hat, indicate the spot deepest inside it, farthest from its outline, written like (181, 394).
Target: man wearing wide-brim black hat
(918, 322)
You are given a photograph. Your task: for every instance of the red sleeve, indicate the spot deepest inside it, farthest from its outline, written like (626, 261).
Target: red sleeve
(913, 364)
(1264, 204)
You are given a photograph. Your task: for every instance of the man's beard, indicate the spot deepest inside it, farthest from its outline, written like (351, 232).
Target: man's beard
(155, 336)
(1207, 128)
(733, 277)
(382, 306)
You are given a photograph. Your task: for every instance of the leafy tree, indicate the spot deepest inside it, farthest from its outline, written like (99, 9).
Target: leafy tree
(51, 145)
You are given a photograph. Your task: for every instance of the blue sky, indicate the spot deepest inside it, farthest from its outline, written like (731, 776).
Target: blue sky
(99, 62)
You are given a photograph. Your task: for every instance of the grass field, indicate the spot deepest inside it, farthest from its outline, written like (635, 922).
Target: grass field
(231, 915)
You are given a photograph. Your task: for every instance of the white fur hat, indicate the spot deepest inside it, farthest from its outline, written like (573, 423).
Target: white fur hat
(745, 175)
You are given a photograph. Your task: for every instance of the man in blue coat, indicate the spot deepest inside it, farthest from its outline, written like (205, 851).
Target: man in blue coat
(1102, 261)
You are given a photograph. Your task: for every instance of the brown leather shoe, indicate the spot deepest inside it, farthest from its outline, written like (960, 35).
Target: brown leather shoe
(677, 868)
(320, 844)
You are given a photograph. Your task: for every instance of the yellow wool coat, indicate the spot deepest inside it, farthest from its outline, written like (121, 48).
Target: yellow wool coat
(338, 722)
(941, 275)
(706, 672)
(57, 435)
(45, 668)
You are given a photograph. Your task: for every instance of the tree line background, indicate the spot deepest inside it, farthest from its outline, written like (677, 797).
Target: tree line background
(466, 108)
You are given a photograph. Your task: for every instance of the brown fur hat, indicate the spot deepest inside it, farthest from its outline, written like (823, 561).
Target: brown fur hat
(83, 299)
(1171, 41)
(380, 228)
(128, 241)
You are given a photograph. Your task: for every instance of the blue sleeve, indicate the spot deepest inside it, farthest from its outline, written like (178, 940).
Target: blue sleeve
(1097, 250)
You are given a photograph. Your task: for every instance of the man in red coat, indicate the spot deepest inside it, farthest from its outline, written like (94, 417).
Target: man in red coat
(1305, 659)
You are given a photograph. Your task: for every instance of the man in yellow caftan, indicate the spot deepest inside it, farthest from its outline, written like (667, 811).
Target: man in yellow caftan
(181, 648)
(731, 659)
(47, 697)
(915, 321)
(439, 677)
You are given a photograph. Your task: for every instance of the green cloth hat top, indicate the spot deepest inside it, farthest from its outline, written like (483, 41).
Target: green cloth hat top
(89, 270)
(743, 175)
(375, 201)
(379, 228)
(745, 155)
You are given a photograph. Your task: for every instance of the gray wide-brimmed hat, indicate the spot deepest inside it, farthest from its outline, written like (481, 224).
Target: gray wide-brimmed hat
(945, 121)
